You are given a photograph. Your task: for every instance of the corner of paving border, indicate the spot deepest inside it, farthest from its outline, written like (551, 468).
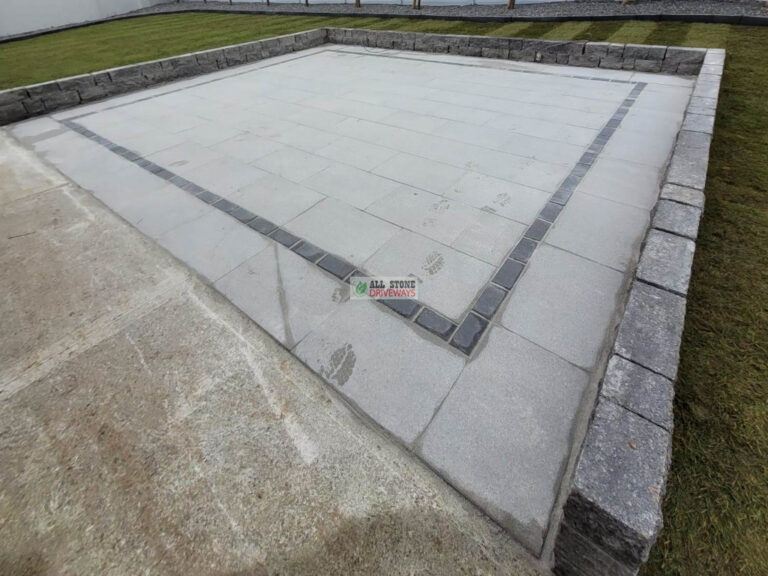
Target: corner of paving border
(612, 514)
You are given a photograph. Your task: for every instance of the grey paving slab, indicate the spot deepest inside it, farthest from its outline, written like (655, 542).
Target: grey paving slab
(601, 230)
(448, 279)
(271, 288)
(501, 197)
(306, 138)
(292, 164)
(564, 290)
(275, 198)
(351, 185)
(428, 214)
(343, 230)
(420, 172)
(185, 157)
(621, 181)
(503, 433)
(641, 147)
(357, 153)
(162, 210)
(210, 133)
(474, 232)
(224, 176)
(247, 147)
(489, 238)
(401, 396)
(213, 244)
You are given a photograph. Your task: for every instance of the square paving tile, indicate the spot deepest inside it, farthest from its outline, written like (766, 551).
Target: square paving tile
(401, 395)
(448, 279)
(622, 181)
(271, 287)
(213, 244)
(576, 295)
(275, 198)
(343, 230)
(503, 434)
(601, 230)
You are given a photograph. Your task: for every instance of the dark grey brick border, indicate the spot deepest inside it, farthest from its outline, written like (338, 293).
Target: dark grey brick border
(612, 514)
(28, 101)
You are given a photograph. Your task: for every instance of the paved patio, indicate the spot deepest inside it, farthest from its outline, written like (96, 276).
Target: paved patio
(517, 194)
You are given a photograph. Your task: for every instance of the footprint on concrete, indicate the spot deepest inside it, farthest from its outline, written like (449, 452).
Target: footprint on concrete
(340, 366)
(441, 206)
(339, 294)
(502, 199)
(434, 263)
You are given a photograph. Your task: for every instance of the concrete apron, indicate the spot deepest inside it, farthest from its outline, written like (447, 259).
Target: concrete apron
(147, 426)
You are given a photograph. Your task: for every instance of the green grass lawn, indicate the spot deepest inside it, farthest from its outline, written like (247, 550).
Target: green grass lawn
(716, 509)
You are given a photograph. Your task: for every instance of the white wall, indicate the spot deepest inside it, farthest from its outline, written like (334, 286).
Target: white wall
(21, 16)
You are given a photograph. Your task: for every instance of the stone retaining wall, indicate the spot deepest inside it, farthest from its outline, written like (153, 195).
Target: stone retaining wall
(612, 515)
(21, 103)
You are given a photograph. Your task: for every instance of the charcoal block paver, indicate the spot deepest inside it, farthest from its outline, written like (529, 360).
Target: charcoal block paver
(284, 237)
(489, 301)
(336, 266)
(438, 325)
(468, 333)
(508, 274)
(308, 251)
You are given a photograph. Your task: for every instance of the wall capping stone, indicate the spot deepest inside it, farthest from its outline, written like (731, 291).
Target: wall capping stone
(612, 514)
(24, 102)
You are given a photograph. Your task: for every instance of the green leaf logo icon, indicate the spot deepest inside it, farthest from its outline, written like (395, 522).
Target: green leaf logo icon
(361, 288)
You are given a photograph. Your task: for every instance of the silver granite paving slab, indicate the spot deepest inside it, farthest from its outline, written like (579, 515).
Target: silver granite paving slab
(402, 396)
(343, 230)
(448, 279)
(564, 290)
(601, 230)
(502, 438)
(271, 288)
(213, 244)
